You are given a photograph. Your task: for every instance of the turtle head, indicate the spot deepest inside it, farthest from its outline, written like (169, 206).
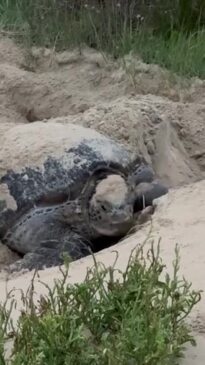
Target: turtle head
(111, 206)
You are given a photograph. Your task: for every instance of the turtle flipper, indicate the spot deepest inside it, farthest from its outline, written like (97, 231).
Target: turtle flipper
(50, 253)
(145, 193)
(142, 173)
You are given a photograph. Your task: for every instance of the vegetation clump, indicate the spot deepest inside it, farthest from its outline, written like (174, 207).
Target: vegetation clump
(167, 32)
(132, 317)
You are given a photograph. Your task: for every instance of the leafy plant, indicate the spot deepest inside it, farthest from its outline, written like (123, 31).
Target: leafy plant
(113, 317)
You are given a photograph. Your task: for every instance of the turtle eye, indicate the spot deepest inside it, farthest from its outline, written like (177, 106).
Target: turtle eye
(103, 207)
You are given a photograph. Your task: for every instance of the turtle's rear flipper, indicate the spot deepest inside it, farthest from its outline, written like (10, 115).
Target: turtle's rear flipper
(50, 254)
(146, 193)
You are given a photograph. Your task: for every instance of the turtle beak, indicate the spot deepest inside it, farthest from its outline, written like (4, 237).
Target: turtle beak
(116, 229)
(123, 216)
(119, 223)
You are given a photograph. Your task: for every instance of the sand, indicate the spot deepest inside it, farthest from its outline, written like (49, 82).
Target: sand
(160, 116)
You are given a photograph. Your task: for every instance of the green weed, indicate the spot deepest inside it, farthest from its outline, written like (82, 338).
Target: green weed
(113, 317)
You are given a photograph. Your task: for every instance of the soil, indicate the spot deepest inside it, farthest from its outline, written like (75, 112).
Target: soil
(152, 112)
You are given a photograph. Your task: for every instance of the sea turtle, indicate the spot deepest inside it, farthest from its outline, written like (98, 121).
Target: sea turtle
(70, 187)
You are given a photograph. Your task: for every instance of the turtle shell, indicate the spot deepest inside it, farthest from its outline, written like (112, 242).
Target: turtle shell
(47, 162)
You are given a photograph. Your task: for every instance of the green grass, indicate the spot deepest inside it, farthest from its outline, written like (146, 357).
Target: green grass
(125, 318)
(50, 23)
(181, 54)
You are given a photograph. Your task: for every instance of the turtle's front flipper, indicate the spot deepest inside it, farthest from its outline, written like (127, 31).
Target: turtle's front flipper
(50, 253)
(141, 173)
(145, 193)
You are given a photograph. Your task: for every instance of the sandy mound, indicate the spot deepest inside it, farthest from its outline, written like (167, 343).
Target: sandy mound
(173, 222)
(162, 131)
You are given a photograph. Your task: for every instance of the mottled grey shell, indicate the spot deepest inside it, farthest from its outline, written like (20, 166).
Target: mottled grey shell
(43, 159)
